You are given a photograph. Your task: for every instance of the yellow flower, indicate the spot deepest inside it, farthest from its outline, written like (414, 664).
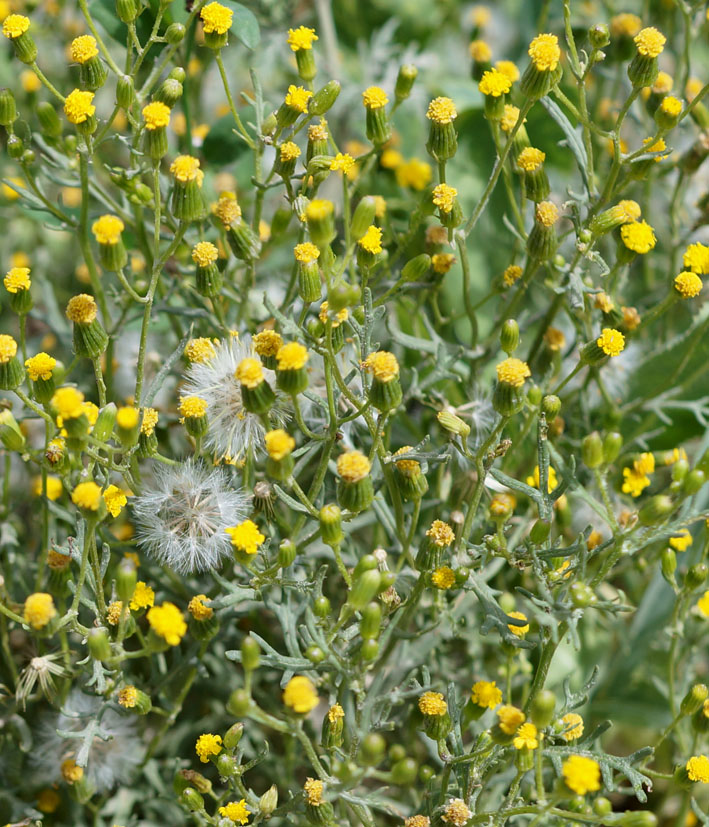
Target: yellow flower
(87, 495)
(113, 612)
(319, 209)
(268, 342)
(495, 83)
(508, 68)
(433, 703)
(200, 350)
(289, 151)
(249, 372)
(530, 159)
(681, 541)
(581, 775)
(305, 253)
(297, 98)
(510, 718)
(671, 106)
(342, 162)
(408, 467)
(552, 480)
(382, 365)
(634, 483)
(414, 173)
(480, 51)
(150, 420)
(510, 118)
(703, 604)
(442, 262)
(547, 213)
(192, 407)
(71, 771)
(440, 534)
(279, 444)
(353, 466)
(197, 608)
(186, 168)
(78, 106)
(48, 800)
(611, 341)
(108, 229)
(335, 713)
(204, 253)
(545, 52)
(168, 623)
(143, 597)
(236, 811)
(443, 577)
(688, 284)
(15, 25)
(207, 745)
(83, 48)
(8, 348)
(156, 115)
(417, 821)
(486, 694)
(696, 258)
(300, 695)
(128, 697)
(227, 209)
(456, 813)
(650, 42)
(520, 631)
(698, 768)
(374, 98)
(513, 372)
(54, 487)
(391, 158)
(301, 38)
(657, 146)
(216, 18)
(292, 356)
(115, 498)
(573, 726)
(17, 279)
(39, 610)
(512, 274)
(526, 737)
(127, 417)
(246, 537)
(441, 111)
(81, 309)
(626, 24)
(371, 241)
(68, 403)
(638, 236)
(313, 790)
(444, 197)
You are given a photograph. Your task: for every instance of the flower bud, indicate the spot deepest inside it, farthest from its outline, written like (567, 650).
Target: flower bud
(655, 509)
(696, 576)
(363, 216)
(365, 587)
(405, 81)
(268, 801)
(250, 654)
(331, 525)
(540, 531)
(612, 443)
(693, 482)
(542, 711)
(637, 818)
(126, 10)
(191, 799)
(416, 268)
(599, 36)
(582, 595)
(592, 450)
(11, 436)
(233, 736)
(126, 577)
(370, 621)
(8, 109)
(49, 121)
(324, 98)
(509, 336)
(239, 703)
(372, 749)
(175, 33)
(321, 607)
(287, 551)
(227, 765)
(99, 644)
(693, 701)
(169, 92)
(551, 405)
(668, 565)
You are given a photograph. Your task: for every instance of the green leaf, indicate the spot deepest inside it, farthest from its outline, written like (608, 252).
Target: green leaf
(222, 144)
(244, 25)
(573, 138)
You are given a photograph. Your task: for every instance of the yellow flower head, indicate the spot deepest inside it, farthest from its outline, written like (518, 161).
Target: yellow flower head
(520, 631)
(486, 694)
(443, 577)
(115, 498)
(156, 115)
(318, 131)
(552, 480)
(267, 342)
(526, 737)
(433, 703)
(456, 813)
(236, 811)
(480, 51)
(510, 718)
(625, 24)
(530, 159)
(186, 168)
(513, 371)
(335, 713)
(204, 253)
(573, 726)
(581, 775)
(696, 258)
(200, 350)
(382, 365)
(292, 356)
(342, 162)
(444, 197)
(113, 612)
(508, 68)
(374, 98)
(417, 821)
(249, 372)
(440, 534)
(197, 608)
(78, 106)
(150, 420)
(638, 236)
(512, 274)
(703, 604)
(698, 768)
(108, 229)
(216, 18)
(168, 623)
(128, 697)
(655, 146)
(371, 241)
(54, 487)
(688, 285)
(414, 173)
(83, 48)
(143, 597)
(494, 83)
(634, 482)
(681, 541)
(300, 695)
(442, 111)
(17, 279)
(192, 407)
(306, 252)
(71, 771)
(301, 38)
(15, 25)
(627, 211)
(279, 444)
(353, 466)
(671, 106)
(340, 316)
(81, 309)
(289, 151)
(227, 209)
(39, 610)
(313, 790)
(207, 745)
(68, 403)
(650, 42)
(127, 417)
(246, 537)
(509, 118)
(297, 98)
(547, 213)
(408, 467)
(545, 52)
(87, 495)
(611, 341)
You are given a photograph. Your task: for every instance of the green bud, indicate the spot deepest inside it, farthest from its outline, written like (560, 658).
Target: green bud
(426, 773)
(540, 531)
(343, 295)
(680, 469)
(534, 395)
(592, 450)
(582, 595)
(693, 701)
(127, 10)
(191, 799)
(286, 553)
(15, 148)
(105, 422)
(227, 765)
(324, 98)
(175, 33)
(125, 91)
(655, 509)
(612, 443)
(99, 644)
(453, 424)
(668, 564)
(11, 436)
(404, 772)
(269, 124)
(126, 577)
(416, 268)
(321, 607)
(542, 711)
(365, 587)
(602, 806)
(696, 576)
(268, 801)
(372, 749)
(250, 654)
(405, 81)
(370, 622)
(315, 654)
(367, 562)
(636, 818)
(693, 482)
(48, 119)
(8, 109)
(509, 336)
(551, 405)
(363, 216)
(233, 736)
(189, 778)
(239, 702)
(599, 36)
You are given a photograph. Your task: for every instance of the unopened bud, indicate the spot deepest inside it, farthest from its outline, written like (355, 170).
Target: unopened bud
(694, 699)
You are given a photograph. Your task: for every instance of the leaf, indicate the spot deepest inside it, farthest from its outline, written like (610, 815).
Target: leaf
(244, 25)
(165, 369)
(290, 501)
(223, 145)
(573, 137)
